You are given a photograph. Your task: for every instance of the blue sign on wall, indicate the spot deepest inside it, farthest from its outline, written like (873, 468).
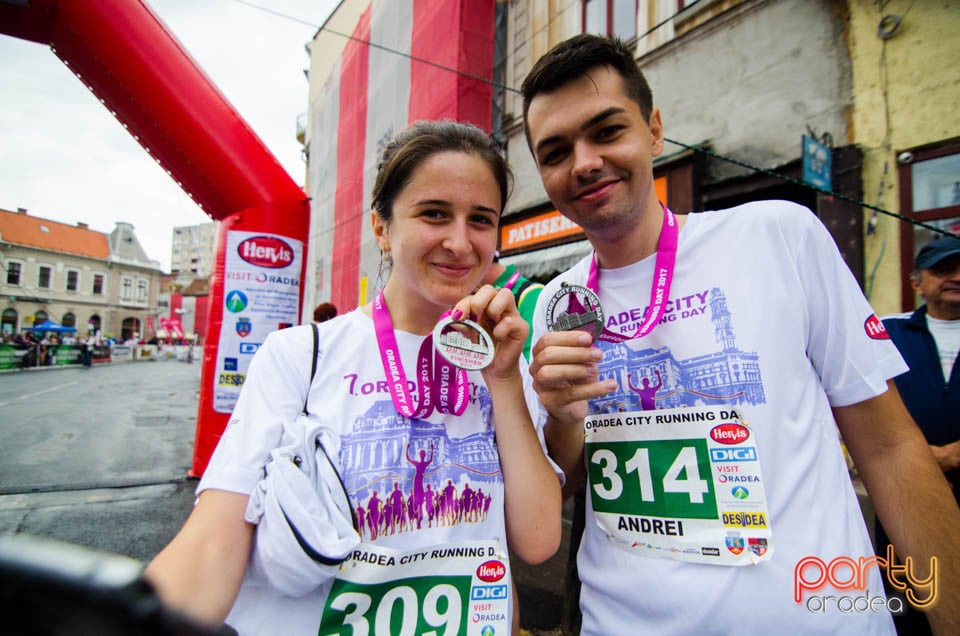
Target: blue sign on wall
(817, 163)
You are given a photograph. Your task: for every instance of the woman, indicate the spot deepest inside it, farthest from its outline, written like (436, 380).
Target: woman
(447, 463)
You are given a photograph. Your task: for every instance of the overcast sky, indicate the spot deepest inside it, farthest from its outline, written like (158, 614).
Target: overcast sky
(64, 157)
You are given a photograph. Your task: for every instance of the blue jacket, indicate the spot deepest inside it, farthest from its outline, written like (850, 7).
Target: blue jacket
(933, 403)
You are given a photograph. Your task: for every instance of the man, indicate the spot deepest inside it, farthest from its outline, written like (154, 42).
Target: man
(929, 340)
(728, 508)
(324, 312)
(525, 292)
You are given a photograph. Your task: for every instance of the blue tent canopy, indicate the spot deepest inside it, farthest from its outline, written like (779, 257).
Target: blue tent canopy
(50, 325)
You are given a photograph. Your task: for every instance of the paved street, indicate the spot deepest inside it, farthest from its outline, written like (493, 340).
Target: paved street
(99, 458)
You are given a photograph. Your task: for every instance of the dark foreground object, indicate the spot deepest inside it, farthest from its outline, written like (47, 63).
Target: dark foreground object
(49, 587)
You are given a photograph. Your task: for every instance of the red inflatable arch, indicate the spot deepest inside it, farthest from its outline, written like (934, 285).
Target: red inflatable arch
(126, 56)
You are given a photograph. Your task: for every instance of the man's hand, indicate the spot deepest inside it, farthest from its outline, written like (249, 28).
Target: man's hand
(947, 456)
(565, 376)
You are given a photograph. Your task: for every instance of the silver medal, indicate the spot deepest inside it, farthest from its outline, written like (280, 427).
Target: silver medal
(463, 343)
(575, 308)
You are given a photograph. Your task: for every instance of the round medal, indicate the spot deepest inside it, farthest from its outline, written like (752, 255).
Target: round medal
(463, 343)
(575, 308)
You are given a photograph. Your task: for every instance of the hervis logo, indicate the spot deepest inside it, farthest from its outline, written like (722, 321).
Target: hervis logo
(874, 328)
(266, 251)
(491, 571)
(729, 433)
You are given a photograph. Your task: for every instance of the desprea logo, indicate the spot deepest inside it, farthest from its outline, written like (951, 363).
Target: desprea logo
(266, 251)
(491, 571)
(729, 433)
(875, 329)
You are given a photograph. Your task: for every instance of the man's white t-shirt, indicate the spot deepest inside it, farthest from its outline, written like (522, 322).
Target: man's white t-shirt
(763, 316)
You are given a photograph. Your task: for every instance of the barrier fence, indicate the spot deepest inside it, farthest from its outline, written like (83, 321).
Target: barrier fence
(33, 356)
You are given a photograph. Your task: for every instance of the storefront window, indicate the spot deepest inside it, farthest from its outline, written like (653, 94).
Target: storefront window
(929, 192)
(936, 183)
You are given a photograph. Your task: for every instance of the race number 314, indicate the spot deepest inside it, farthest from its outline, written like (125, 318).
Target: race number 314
(663, 478)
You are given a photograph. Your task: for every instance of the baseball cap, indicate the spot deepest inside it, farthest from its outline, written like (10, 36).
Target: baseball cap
(937, 250)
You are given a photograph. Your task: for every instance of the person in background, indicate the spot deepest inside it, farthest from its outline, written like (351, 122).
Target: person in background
(324, 312)
(87, 352)
(929, 341)
(525, 291)
(437, 200)
(735, 480)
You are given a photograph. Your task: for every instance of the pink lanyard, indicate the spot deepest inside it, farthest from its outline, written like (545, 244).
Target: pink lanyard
(436, 375)
(512, 280)
(662, 278)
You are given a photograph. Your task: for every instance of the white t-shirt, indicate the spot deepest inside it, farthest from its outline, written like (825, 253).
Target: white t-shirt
(451, 463)
(763, 316)
(946, 333)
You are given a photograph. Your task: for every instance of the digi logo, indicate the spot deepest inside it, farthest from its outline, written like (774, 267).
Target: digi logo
(488, 592)
(249, 347)
(742, 454)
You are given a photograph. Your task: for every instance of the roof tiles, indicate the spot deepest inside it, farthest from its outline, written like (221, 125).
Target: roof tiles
(19, 228)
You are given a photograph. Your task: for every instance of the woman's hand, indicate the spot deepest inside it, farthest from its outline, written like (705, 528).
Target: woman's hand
(496, 312)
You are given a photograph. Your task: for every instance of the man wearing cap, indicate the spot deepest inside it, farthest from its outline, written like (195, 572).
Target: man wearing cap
(929, 341)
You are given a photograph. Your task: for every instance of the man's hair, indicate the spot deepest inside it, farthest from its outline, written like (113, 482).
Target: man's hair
(573, 58)
(324, 312)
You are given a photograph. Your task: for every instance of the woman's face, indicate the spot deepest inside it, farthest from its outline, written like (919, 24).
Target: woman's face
(443, 232)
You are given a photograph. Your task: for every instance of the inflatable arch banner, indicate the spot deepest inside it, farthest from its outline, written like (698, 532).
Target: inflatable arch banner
(126, 56)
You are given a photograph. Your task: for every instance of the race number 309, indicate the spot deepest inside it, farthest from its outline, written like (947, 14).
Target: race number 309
(429, 605)
(662, 478)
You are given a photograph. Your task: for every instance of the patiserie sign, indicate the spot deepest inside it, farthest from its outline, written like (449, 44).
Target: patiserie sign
(261, 293)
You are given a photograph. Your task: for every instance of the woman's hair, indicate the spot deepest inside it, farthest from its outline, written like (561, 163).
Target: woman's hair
(404, 154)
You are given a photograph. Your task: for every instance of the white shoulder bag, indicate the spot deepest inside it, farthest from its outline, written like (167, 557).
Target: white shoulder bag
(305, 525)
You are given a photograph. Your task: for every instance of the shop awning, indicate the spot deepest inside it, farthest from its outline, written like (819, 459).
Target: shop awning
(546, 261)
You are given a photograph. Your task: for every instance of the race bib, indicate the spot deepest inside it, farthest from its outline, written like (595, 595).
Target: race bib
(381, 592)
(680, 483)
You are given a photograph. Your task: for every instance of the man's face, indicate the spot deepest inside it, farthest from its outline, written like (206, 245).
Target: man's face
(595, 151)
(940, 287)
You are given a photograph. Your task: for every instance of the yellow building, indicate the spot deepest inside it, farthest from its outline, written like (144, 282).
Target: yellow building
(906, 119)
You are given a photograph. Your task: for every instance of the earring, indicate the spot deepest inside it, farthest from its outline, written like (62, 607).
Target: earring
(383, 269)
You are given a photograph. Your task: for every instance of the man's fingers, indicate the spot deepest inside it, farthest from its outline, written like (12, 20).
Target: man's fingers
(552, 376)
(574, 392)
(562, 355)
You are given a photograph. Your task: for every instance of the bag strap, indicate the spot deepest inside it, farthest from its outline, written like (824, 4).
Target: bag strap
(313, 366)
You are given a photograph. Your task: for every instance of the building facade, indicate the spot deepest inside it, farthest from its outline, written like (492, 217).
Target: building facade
(429, 61)
(193, 247)
(745, 87)
(75, 276)
(906, 89)
(738, 82)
